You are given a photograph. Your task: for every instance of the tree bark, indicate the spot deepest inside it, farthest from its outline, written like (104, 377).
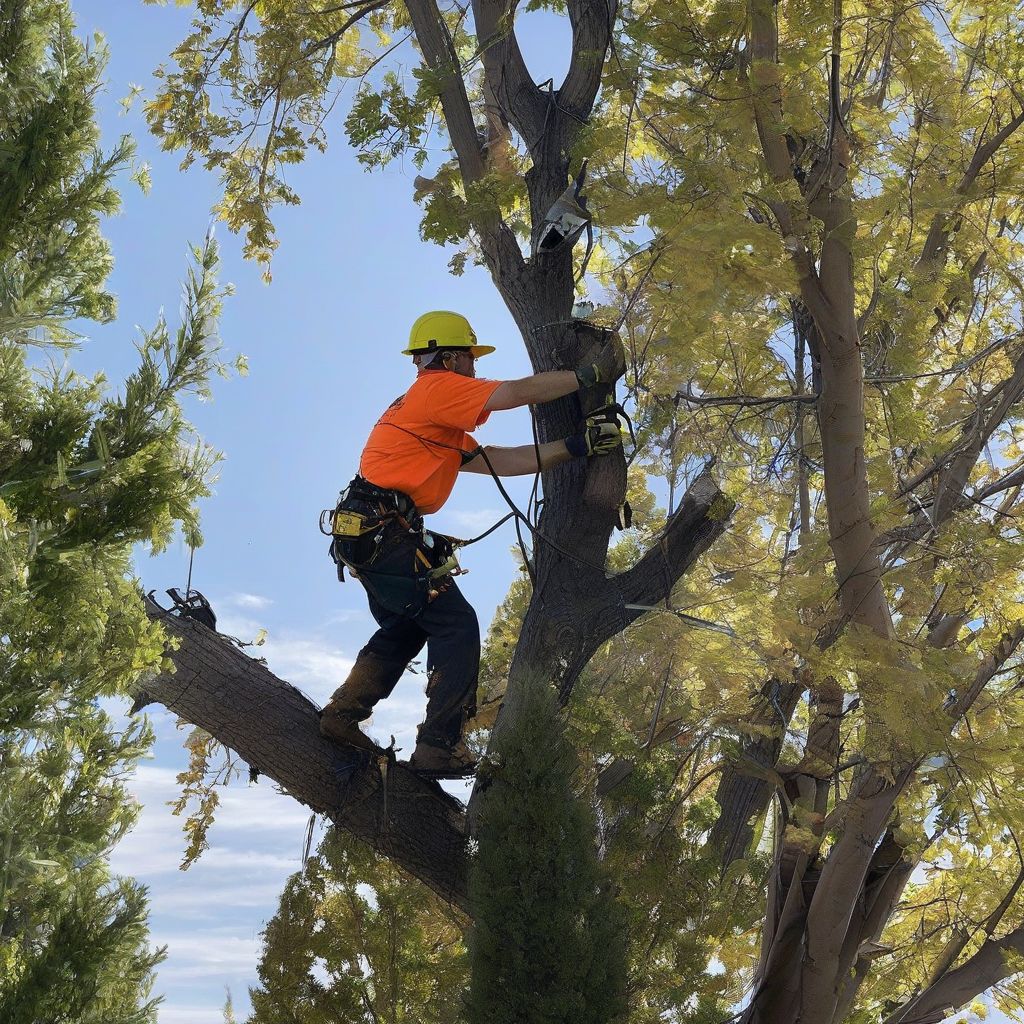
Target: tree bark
(978, 973)
(741, 794)
(275, 729)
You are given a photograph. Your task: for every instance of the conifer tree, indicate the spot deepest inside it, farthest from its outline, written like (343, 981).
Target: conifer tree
(547, 944)
(85, 473)
(357, 941)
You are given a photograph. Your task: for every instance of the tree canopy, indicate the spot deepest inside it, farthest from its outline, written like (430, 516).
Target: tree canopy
(808, 233)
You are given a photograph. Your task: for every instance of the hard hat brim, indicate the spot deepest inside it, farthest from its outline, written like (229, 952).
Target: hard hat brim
(474, 350)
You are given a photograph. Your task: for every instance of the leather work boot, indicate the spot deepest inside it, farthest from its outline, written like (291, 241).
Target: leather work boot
(342, 727)
(441, 762)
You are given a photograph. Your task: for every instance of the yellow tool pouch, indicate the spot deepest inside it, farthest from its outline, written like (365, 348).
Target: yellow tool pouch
(351, 524)
(355, 537)
(340, 522)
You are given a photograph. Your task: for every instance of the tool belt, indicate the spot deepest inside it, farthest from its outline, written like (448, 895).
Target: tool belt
(359, 527)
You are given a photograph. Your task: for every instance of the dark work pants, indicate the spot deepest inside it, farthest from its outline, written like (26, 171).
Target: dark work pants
(447, 625)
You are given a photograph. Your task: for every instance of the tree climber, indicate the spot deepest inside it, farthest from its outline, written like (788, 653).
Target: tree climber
(408, 469)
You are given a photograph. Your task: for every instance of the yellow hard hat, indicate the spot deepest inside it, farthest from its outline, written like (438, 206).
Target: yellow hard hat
(443, 329)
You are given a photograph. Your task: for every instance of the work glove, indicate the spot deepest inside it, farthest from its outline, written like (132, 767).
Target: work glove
(599, 437)
(604, 364)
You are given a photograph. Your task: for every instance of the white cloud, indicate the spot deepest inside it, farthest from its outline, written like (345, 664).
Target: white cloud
(399, 715)
(242, 861)
(197, 899)
(476, 521)
(243, 600)
(210, 954)
(249, 817)
(348, 615)
(308, 663)
(239, 626)
(261, 808)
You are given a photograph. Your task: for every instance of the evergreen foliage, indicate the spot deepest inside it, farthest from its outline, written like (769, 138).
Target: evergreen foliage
(93, 966)
(55, 184)
(547, 944)
(85, 474)
(356, 941)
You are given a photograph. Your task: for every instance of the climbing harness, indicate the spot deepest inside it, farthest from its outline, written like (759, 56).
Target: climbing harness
(344, 525)
(359, 525)
(356, 524)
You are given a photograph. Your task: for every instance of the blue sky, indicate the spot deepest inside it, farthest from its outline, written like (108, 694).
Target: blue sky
(323, 343)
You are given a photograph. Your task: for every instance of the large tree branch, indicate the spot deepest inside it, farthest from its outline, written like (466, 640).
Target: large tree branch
(569, 636)
(696, 524)
(939, 231)
(766, 88)
(509, 80)
(841, 884)
(442, 61)
(764, 79)
(275, 729)
(807, 787)
(993, 409)
(743, 790)
(992, 664)
(887, 876)
(1013, 479)
(776, 996)
(962, 934)
(952, 469)
(853, 897)
(986, 968)
(592, 23)
(438, 48)
(889, 868)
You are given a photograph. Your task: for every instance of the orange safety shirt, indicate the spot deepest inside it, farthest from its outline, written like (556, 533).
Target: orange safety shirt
(441, 406)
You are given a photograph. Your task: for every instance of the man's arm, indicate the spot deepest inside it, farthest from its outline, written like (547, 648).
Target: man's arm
(521, 460)
(600, 436)
(604, 364)
(541, 387)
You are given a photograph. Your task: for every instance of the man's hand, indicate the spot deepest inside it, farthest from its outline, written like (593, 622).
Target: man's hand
(605, 363)
(600, 437)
